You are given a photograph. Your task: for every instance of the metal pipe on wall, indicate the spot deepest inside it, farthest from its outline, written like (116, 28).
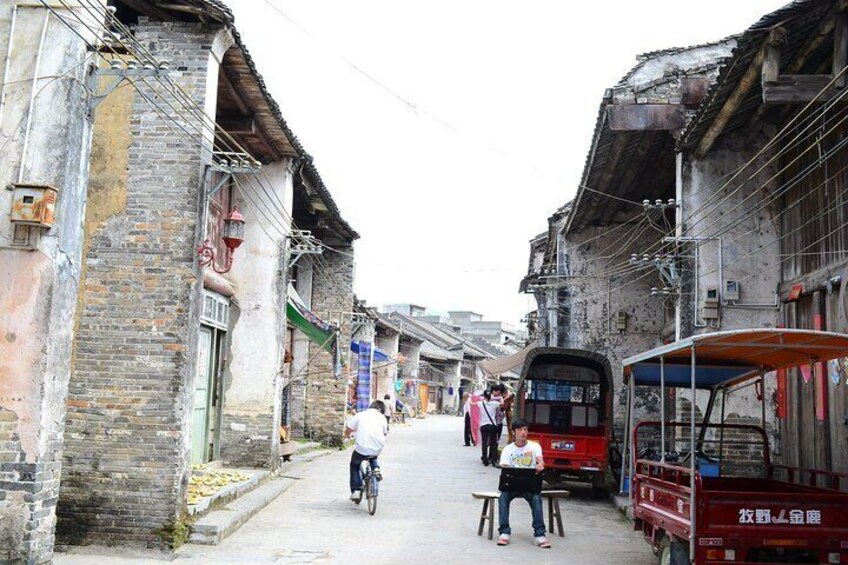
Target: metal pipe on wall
(692, 463)
(662, 408)
(7, 63)
(31, 109)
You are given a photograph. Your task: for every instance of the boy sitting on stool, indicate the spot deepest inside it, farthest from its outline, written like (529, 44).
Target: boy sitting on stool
(522, 454)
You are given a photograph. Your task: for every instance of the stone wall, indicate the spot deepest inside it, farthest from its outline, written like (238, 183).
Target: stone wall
(325, 395)
(38, 283)
(126, 459)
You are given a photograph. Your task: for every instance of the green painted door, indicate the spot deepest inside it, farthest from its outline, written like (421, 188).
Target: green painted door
(202, 391)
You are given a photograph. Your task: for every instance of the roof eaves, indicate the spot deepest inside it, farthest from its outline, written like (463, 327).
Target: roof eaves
(747, 45)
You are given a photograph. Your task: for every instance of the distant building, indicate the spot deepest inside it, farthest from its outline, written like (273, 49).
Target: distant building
(406, 309)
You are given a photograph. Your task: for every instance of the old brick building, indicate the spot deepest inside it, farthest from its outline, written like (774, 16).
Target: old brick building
(179, 352)
(323, 277)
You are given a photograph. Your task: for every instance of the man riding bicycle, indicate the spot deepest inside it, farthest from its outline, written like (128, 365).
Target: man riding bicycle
(370, 429)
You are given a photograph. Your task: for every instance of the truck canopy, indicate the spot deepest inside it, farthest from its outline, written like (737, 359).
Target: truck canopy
(559, 363)
(732, 357)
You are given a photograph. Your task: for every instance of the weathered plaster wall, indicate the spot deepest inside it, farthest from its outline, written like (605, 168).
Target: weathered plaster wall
(595, 298)
(252, 382)
(738, 210)
(38, 287)
(126, 462)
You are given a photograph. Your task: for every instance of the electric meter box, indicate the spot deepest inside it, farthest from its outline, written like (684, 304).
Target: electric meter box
(34, 205)
(731, 290)
(621, 321)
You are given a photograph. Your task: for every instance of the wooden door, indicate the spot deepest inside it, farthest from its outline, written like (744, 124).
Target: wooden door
(202, 397)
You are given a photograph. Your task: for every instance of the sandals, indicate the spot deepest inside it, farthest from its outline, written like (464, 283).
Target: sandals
(503, 539)
(542, 542)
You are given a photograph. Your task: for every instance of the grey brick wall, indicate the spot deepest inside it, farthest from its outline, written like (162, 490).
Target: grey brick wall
(126, 455)
(332, 294)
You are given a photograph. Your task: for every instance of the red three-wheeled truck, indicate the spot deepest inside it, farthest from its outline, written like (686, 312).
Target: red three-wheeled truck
(707, 492)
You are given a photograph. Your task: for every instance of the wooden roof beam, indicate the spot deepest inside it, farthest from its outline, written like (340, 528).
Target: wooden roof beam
(743, 87)
(619, 147)
(227, 82)
(639, 163)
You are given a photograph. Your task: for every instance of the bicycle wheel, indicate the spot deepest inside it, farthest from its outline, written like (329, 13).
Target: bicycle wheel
(371, 493)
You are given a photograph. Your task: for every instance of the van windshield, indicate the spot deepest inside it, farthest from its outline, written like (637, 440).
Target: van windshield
(560, 391)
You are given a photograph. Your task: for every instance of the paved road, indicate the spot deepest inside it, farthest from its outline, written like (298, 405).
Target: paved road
(425, 515)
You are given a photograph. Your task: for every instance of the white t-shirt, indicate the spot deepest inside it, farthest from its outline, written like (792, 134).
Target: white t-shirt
(489, 412)
(521, 457)
(370, 429)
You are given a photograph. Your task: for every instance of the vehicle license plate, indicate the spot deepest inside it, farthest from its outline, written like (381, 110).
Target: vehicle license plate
(563, 445)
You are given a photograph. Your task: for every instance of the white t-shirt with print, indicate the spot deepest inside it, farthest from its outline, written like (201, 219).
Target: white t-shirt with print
(370, 428)
(521, 457)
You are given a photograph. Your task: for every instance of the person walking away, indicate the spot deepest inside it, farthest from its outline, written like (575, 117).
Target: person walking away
(466, 416)
(522, 454)
(369, 429)
(390, 408)
(489, 429)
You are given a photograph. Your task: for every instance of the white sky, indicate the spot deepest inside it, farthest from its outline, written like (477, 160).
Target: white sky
(445, 212)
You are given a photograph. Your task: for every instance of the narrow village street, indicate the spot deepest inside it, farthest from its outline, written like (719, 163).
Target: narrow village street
(425, 515)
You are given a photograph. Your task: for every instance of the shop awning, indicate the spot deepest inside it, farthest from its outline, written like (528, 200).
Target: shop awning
(379, 355)
(504, 364)
(313, 327)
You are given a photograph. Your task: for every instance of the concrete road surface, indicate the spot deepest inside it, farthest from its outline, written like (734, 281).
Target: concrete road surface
(425, 515)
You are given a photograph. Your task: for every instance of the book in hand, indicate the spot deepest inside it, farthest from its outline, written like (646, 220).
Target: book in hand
(514, 479)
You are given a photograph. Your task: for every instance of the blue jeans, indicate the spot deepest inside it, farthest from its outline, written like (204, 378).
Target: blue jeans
(535, 501)
(356, 459)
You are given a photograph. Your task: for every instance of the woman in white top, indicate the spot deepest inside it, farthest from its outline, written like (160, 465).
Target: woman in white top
(489, 429)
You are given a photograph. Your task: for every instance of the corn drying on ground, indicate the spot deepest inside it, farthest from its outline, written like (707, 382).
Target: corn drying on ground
(206, 481)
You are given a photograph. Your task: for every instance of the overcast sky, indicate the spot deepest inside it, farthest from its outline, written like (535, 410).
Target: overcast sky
(449, 130)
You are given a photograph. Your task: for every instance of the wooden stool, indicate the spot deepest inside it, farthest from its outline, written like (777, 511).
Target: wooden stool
(553, 497)
(488, 513)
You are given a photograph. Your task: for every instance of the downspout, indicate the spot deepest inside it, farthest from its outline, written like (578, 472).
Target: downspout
(7, 63)
(678, 233)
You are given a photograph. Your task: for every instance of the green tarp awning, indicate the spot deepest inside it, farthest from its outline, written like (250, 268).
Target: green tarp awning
(312, 326)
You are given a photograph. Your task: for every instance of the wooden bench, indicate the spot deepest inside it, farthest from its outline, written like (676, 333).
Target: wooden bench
(554, 512)
(490, 500)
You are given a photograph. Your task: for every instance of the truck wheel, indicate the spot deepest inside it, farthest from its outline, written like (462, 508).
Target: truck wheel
(672, 552)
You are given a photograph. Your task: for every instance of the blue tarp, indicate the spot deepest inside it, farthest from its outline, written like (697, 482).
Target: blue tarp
(378, 354)
(363, 385)
(706, 376)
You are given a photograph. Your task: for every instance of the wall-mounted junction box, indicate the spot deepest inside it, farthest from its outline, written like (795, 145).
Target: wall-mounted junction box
(621, 320)
(731, 290)
(33, 205)
(711, 304)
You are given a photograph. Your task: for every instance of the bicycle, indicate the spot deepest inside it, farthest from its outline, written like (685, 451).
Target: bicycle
(370, 485)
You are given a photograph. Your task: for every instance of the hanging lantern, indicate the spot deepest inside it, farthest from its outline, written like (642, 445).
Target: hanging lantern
(233, 230)
(233, 237)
